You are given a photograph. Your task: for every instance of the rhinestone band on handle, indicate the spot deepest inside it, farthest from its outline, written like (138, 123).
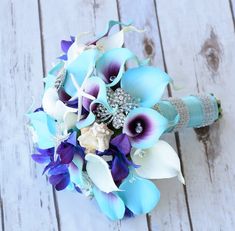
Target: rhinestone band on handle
(192, 111)
(210, 110)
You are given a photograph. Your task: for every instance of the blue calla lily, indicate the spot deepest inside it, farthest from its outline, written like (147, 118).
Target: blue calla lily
(111, 65)
(80, 68)
(45, 129)
(145, 83)
(110, 204)
(75, 170)
(139, 195)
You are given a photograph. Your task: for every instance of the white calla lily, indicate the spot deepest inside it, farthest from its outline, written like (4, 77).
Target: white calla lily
(100, 174)
(76, 48)
(116, 40)
(55, 107)
(70, 119)
(158, 162)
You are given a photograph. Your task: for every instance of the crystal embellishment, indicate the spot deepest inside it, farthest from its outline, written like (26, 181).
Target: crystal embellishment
(139, 128)
(121, 102)
(209, 108)
(183, 112)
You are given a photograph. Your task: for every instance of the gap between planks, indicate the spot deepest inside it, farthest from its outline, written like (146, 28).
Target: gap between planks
(55, 200)
(177, 137)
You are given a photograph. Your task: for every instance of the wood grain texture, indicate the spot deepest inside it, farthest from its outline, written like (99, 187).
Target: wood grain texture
(76, 211)
(25, 196)
(171, 212)
(199, 53)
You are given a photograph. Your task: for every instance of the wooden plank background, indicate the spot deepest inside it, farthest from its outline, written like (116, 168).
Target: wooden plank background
(193, 40)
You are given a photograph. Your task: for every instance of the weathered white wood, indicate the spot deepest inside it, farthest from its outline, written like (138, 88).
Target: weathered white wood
(232, 8)
(171, 212)
(70, 18)
(199, 47)
(27, 201)
(1, 213)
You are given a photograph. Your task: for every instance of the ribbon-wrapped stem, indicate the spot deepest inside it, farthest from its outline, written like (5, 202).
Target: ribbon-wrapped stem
(192, 111)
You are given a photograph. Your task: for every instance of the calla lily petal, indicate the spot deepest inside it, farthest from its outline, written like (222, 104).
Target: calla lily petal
(99, 172)
(52, 75)
(96, 88)
(75, 170)
(45, 129)
(110, 66)
(107, 30)
(53, 106)
(145, 83)
(158, 162)
(110, 204)
(115, 40)
(74, 51)
(79, 68)
(139, 195)
(70, 120)
(144, 126)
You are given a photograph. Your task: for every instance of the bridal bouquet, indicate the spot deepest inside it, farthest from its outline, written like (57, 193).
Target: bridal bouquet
(98, 128)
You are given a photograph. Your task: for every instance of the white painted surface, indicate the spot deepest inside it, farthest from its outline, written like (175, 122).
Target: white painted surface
(200, 56)
(199, 52)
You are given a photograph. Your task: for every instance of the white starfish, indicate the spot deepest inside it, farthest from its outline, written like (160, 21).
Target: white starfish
(81, 93)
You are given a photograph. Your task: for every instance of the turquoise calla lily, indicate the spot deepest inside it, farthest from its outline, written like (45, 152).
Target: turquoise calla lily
(52, 75)
(145, 83)
(111, 65)
(138, 194)
(81, 67)
(110, 204)
(75, 170)
(45, 129)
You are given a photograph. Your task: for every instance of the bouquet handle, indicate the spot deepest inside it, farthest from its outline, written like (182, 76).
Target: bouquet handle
(192, 111)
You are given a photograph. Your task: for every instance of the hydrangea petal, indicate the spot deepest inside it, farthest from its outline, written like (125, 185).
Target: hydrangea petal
(122, 143)
(119, 169)
(146, 83)
(66, 152)
(79, 68)
(111, 65)
(58, 169)
(110, 204)
(40, 158)
(66, 44)
(139, 195)
(158, 162)
(152, 125)
(45, 129)
(99, 172)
